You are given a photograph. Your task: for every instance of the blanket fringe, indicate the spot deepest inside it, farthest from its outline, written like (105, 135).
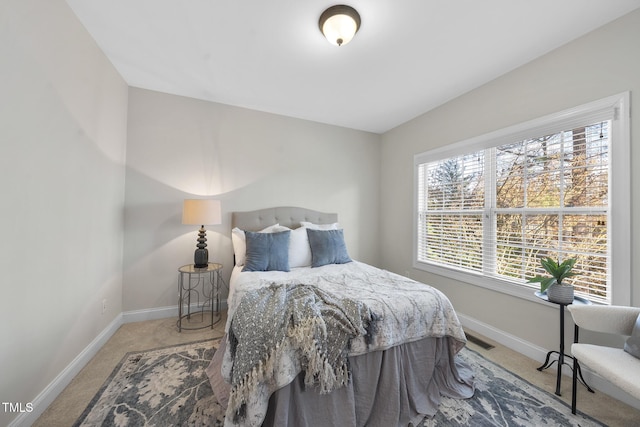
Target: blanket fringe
(257, 375)
(318, 370)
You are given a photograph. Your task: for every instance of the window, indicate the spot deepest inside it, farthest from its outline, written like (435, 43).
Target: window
(488, 209)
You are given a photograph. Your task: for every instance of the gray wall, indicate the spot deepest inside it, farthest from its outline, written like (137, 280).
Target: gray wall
(63, 137)
(184, 148)
(62, 150)
(602, 63)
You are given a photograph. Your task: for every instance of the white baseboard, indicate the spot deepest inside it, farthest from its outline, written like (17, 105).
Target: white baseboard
(55, 387)
(158, 313)
(538, 353)
(51, 391)
(526, 348)
(149, 314)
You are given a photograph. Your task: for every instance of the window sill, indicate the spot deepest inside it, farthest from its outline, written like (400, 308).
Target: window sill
(494, 284)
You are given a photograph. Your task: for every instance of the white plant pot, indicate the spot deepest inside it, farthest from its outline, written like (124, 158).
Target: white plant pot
(560, 294)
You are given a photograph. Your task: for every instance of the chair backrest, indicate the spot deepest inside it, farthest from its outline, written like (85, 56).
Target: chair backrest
(612, 319)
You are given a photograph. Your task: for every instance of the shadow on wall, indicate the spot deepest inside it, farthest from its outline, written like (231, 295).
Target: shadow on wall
(156, 243)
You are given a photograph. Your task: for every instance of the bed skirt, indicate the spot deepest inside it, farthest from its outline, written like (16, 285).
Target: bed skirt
(395, 387)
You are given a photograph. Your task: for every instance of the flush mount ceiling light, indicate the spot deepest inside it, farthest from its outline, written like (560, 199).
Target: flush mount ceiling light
(339, 24)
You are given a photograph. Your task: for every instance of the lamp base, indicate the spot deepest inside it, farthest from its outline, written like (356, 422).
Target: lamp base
(201, 258)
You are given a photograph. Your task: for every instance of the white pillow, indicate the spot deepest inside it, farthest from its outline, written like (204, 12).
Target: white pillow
(240, 244)
(299, 249)
(334, 226)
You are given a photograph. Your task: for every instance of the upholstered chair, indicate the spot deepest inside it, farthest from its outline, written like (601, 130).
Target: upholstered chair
(616, 365)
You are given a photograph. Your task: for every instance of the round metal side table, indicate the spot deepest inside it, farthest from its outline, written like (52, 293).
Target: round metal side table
(199, 296)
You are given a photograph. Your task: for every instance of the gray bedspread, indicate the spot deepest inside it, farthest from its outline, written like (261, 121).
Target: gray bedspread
(406, 312)
(397, 387)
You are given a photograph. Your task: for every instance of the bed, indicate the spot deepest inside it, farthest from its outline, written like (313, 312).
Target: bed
(314, 338)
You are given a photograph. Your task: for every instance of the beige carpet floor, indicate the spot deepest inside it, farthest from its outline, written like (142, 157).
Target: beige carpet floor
(152, 334)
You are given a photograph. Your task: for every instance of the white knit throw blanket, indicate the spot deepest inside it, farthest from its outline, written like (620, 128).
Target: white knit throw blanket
(316, 325)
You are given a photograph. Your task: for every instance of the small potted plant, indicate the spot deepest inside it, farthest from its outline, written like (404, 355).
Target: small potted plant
(557, 290)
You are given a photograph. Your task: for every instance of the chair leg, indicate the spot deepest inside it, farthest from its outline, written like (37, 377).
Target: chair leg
(574, 386)
(574, 377)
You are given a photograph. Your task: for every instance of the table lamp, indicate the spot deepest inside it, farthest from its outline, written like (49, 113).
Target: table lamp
(201, 212)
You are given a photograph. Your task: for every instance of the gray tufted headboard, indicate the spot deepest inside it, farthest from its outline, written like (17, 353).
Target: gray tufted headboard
(287, 216)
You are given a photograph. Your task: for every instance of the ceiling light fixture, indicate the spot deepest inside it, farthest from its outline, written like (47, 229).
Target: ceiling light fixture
(339, 24)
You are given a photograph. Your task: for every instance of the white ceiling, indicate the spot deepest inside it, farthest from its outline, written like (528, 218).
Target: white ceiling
(269, 55)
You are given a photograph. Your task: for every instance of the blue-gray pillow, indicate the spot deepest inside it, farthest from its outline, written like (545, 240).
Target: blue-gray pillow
(267, 251)
(632, 345)
(327, 247)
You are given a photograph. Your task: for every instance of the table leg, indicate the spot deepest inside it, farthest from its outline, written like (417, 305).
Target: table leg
(546, 363)
(180, 303)
(561, 353)
(212, 280)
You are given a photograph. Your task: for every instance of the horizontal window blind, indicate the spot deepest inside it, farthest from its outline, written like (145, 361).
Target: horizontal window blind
(499, 210)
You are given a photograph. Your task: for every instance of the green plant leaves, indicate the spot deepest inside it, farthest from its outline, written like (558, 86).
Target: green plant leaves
(558, 272)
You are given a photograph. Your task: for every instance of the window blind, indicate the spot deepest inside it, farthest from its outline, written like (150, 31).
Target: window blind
(499, 210)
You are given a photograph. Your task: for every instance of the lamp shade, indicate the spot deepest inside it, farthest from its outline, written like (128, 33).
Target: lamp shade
(201, 212)
(339, 24)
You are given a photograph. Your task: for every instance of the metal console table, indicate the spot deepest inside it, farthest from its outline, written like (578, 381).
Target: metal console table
(560, 353)
(201, 287)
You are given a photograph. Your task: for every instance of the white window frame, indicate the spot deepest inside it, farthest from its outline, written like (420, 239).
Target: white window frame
(615, 108)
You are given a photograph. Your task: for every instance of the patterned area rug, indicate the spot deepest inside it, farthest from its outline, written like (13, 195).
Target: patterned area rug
(504, 399)
(162, 387)
(169, 387)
